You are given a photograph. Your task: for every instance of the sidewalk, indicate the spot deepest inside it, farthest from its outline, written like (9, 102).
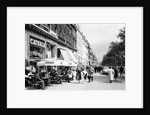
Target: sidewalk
(100, 82)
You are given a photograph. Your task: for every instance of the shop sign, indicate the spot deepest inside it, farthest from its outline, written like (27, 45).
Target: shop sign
(37, 43)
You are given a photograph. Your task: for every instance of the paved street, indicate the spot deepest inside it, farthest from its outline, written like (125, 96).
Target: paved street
(100, 82)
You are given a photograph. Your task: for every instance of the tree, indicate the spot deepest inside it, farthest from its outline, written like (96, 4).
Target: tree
(116, 50)
(108, 61)
(121, 34)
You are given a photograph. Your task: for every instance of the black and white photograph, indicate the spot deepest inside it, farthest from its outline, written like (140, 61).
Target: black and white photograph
(75, 56)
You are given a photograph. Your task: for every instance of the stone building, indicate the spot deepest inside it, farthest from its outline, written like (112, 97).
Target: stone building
(82, 51)
(50, 41)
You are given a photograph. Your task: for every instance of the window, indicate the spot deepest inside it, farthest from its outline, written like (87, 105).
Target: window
(53, 27)
(48, 51)
(36, 52)
(67, 29)
(60, 30)
(65, 32)
(46, 25)
(74, 34)
(52, 51)
(63, 28)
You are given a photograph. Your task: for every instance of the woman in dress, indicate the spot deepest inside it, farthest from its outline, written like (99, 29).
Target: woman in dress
(78, 75)
(116, 73)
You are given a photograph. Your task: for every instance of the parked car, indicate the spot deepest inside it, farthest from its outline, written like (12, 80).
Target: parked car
(104, 71)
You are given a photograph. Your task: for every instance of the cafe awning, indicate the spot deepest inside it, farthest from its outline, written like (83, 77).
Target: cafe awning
(71, 63)
(48, 62)
(65, 55)
(72, 57)
(62, 63)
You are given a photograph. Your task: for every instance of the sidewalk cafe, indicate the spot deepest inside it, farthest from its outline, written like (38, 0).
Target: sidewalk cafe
(53, 71)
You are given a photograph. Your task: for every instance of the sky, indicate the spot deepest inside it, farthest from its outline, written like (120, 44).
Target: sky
(100, 36)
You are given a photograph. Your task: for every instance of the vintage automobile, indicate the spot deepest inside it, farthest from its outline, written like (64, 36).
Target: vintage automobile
(104, 71)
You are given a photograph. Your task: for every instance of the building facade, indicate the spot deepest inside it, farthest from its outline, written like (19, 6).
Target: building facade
(57, 41)
(82, 48)
(50, 41)
(85, 58)
(92, 59)
(79, 46)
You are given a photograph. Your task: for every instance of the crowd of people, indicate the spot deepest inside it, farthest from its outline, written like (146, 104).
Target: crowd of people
(37, 75)
(44, 76)
(98, 69)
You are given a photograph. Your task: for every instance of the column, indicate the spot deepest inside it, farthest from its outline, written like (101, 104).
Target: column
(54, 50)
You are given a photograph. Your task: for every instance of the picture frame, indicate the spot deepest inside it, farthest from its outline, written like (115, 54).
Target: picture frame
(62, 4)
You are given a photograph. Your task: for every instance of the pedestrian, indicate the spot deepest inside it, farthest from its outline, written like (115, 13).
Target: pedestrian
(73, 74)
(69, 76)
(100, 69)
(38, 80)
(110, 74)
(27, 70)
(115, 73)
(34, 71)
(89, 74)
(96, 69)
(78, 75)
(92, 71)
(85, 74)
(121, 71)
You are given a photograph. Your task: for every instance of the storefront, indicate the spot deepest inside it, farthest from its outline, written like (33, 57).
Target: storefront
(37, 48)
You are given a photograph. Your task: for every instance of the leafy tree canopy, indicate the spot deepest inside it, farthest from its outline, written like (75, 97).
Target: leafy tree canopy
(116, 50)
